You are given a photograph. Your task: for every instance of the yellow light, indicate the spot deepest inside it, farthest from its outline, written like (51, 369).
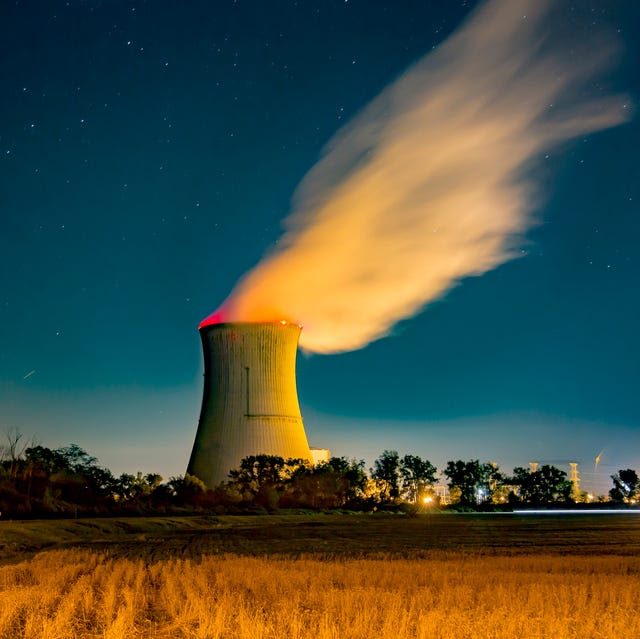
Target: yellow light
(427, 500)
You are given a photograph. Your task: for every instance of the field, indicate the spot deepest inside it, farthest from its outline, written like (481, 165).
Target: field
(338, 576)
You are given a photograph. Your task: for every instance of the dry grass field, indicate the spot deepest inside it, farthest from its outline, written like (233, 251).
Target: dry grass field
(332, 577)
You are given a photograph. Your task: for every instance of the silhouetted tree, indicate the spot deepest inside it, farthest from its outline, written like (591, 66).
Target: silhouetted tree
(66, 479)
(46, 460)
(331, 484)
(417, 475)
(257, 471)
(185, 490)
(12, 451)
(387, 470)
(353, 476)
(134, 488)
(261, 478)
(626, 486)
(546, 485)
(471, 480)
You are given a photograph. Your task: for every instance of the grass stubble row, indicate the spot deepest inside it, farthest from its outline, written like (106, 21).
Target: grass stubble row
(81, 593)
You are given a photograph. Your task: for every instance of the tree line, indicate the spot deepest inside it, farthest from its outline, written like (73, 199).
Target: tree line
(36, 481)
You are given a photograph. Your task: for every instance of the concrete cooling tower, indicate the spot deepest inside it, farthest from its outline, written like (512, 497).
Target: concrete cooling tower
(250, 402)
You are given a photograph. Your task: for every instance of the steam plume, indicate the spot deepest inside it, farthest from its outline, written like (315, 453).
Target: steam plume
(431, 182)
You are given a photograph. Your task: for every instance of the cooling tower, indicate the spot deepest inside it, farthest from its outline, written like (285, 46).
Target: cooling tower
(250, 403)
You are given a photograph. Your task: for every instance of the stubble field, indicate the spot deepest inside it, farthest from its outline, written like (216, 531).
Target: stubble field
(436, 576)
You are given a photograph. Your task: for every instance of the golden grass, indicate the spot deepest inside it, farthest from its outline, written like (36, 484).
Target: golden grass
(77, 593)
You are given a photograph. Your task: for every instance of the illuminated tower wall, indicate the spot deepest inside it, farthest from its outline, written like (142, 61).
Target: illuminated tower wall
(250, 402)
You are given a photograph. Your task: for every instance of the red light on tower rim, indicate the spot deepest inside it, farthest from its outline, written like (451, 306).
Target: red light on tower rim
(214, 318)
(218, 318)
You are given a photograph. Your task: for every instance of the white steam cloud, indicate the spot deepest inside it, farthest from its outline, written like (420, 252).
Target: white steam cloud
(432, 181)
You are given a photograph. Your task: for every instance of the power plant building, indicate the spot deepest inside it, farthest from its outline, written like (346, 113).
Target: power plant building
(250, 401)
(320, 455)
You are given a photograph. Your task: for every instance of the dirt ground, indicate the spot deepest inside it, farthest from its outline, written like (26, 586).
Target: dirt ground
(330, 535)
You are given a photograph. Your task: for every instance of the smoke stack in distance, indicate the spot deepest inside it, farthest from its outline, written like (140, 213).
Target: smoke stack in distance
(250, 402)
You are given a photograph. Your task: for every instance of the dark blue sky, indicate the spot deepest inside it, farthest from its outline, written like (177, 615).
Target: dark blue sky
(148, 153)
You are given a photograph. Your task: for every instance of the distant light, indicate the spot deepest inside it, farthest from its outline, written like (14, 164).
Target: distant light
(427, 500)
(579, 511)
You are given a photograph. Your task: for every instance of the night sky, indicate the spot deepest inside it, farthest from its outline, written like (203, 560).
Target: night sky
(148, 155)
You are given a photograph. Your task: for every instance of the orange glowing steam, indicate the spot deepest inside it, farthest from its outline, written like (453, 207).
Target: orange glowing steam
(432, 181)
